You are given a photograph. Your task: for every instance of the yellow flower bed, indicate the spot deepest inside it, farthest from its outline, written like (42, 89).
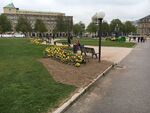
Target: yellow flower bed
(65, 56)
(36, 41)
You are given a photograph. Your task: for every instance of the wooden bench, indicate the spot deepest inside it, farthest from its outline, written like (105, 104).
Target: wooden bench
(86, 50)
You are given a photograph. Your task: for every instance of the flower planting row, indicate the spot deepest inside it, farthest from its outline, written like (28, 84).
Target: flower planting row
(63, 55)
(36, 41)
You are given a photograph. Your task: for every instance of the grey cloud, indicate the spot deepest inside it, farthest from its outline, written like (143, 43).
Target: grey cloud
(98, 2)
(83, 10)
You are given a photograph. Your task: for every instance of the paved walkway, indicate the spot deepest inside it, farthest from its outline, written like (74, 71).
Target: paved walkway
(123, 90)
(113, 54)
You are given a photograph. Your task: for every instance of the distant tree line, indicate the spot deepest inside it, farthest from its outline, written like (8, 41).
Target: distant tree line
(62, 25)
(23, 25)
(115, 26)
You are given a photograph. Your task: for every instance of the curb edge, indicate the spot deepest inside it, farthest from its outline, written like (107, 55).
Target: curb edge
(81, 91)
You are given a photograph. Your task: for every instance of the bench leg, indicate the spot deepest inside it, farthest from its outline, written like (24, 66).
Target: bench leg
(95, 55)
(84, 53)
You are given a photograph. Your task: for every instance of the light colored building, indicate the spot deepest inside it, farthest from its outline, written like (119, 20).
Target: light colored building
(144, 26)
(49, 18)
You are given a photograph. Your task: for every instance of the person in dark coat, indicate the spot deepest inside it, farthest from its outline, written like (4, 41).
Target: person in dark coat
(69, 39)
(142, 39)
(139, 38)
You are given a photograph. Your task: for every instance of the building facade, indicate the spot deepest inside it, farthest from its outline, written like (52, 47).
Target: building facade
(144, 26)
(48, 18)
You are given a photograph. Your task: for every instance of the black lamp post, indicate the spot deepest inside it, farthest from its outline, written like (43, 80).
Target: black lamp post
(97, 18)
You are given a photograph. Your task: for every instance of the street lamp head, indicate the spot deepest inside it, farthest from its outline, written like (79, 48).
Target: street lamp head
(98, 16)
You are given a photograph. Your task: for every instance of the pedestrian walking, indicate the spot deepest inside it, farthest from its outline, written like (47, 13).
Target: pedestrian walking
(142, 39)
(69, 41)
(134, 38)
(139, 38)
(69, 38)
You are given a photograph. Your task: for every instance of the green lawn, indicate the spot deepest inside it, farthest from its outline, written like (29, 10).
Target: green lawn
(25, 85)
(94, 42)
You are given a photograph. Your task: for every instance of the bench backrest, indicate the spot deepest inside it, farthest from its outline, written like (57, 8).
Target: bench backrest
(89, 50)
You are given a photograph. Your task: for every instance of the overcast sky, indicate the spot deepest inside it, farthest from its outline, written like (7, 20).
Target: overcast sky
(83, 10)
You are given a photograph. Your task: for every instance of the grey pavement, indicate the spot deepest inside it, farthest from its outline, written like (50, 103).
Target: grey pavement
(126, 89)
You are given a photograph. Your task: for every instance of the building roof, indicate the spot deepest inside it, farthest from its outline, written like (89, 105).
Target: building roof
(27, 12)
(142, 19)
(11, 5)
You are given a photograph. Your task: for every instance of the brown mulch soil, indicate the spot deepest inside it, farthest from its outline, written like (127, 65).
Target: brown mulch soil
(77, 76)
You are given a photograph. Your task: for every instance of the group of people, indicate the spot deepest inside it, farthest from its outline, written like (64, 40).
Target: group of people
(138, 38)
(141, 39)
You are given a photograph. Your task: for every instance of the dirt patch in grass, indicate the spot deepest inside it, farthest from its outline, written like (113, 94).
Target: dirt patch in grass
(77, 76)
